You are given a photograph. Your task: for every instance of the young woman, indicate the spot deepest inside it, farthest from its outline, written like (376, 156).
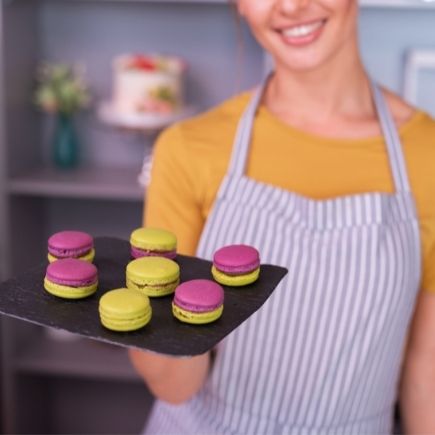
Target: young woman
(332, 177)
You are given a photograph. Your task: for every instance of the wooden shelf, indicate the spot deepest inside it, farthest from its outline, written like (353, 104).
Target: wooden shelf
(75, 358)
(84, 183)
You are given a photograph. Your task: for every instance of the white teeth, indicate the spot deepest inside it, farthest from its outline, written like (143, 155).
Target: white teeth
(304, 30)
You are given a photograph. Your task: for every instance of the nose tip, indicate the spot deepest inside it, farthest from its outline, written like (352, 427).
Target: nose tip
(291, 6)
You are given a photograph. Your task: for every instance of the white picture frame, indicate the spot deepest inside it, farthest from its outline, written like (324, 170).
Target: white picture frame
(416, 62)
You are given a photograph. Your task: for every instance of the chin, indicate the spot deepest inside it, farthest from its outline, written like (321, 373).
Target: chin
(300, 64)
(294, 59)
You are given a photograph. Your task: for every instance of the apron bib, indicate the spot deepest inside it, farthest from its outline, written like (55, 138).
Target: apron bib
(323, 354)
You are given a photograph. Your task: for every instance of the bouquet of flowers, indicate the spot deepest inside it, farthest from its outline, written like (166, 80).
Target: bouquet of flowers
(61, 89)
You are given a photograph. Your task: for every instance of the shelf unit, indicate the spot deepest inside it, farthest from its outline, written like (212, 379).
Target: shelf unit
(43, 379)
(118, 184)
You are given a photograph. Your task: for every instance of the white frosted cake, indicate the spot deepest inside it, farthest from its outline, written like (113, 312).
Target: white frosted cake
(147, 84)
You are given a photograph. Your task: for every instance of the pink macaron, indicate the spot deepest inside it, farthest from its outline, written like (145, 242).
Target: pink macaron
(198, 301)
(71, 278)
(236, 265)
(71, 244)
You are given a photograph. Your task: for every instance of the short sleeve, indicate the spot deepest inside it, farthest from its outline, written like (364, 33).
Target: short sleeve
(428, 243)
(171, 202)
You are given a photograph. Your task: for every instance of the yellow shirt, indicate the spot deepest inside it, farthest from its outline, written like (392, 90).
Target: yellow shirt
(191, 158)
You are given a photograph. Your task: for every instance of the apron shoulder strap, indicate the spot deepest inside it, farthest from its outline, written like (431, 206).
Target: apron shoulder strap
(239, 155)
(393, 142)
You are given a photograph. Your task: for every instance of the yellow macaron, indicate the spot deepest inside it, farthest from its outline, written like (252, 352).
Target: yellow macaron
(153, 276)
(124, 310)
(156, 242)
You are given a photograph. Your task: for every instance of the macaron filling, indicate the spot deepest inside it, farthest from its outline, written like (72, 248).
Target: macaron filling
(195, 307)
(237, 270)
(66, 253)
(72, 282)
(154, 286)
(89, 257)
(138, 252)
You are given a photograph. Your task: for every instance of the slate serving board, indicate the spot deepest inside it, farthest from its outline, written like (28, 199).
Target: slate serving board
(24, 298)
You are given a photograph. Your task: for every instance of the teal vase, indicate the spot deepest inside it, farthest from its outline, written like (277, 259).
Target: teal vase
(65, 142)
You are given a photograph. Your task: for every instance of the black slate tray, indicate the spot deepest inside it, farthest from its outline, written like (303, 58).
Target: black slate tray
(25, 298)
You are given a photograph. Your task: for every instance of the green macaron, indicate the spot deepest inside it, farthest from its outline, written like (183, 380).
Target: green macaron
(124, 310)
(153, 276)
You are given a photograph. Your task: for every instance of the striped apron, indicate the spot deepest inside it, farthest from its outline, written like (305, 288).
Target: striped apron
(323, 354)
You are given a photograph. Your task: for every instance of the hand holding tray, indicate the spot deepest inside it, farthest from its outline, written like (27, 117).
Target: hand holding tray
(24, 298)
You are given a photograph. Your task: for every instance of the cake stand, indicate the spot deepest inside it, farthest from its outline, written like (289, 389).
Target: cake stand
(150, 123)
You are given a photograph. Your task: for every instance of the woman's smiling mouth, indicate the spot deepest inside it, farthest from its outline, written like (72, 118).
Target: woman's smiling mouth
(302, 34)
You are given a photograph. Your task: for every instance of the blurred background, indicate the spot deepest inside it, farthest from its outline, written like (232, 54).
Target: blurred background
(57, 383)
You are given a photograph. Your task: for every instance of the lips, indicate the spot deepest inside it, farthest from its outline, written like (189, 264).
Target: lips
(302, 34)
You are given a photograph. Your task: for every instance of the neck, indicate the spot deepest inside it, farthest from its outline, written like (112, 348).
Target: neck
(338, 88)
